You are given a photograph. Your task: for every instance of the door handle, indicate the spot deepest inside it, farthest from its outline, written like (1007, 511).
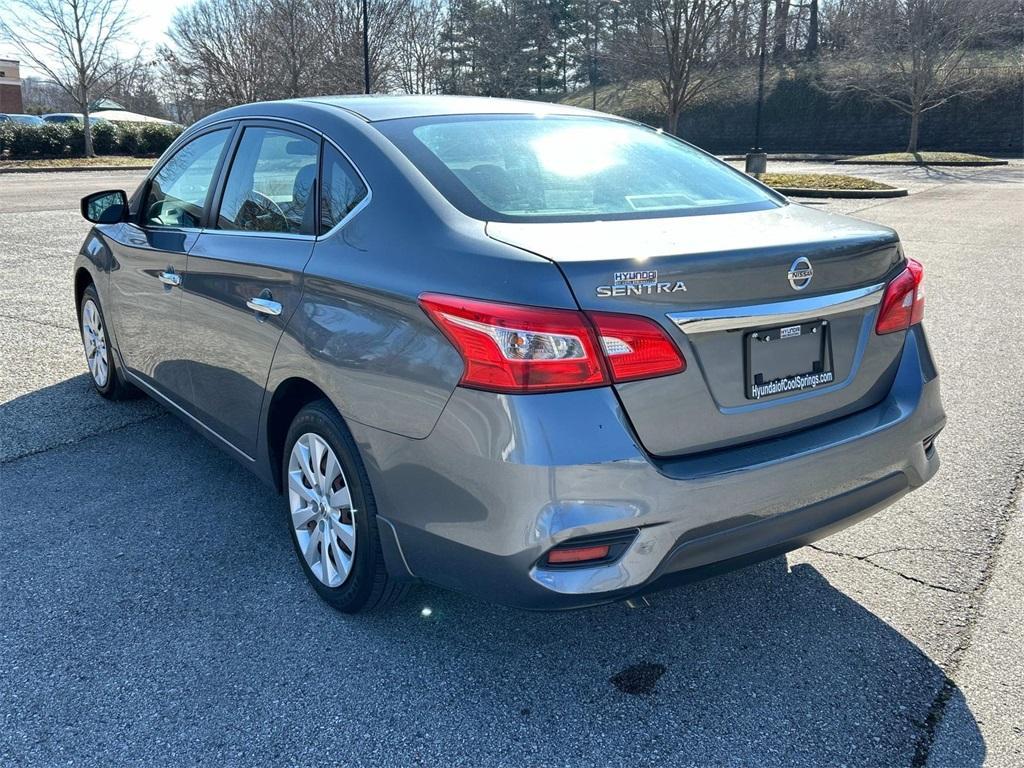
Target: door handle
(170, 278)
(264, 306)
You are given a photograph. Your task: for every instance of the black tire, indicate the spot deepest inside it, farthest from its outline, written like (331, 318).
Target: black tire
(368, 585)
(115, 387)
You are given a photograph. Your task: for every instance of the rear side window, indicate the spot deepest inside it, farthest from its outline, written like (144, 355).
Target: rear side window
(341, 191)
(177, 194)
(271, 183)
(548, 168)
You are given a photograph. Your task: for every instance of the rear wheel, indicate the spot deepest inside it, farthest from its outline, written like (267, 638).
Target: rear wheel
(106, 379)
(332, 515)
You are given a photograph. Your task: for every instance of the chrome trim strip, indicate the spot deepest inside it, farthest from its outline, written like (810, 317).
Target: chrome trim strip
(776, 313)
(167, 401)
(252, 233)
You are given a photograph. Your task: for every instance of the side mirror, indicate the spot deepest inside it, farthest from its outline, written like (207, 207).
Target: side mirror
(108, 207)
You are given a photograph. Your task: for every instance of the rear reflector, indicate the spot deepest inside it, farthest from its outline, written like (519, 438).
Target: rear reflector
(567, 555)
(521, 349)
(903, 302)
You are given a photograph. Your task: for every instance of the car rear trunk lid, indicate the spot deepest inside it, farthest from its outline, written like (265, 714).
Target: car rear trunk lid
(713, 282)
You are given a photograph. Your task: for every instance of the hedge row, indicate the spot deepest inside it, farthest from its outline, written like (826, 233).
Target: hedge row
(19, 141)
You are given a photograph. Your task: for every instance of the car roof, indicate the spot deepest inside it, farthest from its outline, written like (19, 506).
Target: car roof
(373, 108)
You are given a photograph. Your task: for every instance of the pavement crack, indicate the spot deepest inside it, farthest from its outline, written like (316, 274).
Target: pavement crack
(933, 550)
(937, 710)
(867, 559)
(81, 439)
(58, 326)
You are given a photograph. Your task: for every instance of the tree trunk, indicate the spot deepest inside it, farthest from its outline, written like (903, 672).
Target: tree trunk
(915, 128)
(86, 128)
(672, 120)
(781, 27)
(812, 30)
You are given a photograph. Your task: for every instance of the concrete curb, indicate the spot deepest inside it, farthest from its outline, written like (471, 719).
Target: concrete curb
(951, 164)
(841, 193)
(795, 157)
(78, 169)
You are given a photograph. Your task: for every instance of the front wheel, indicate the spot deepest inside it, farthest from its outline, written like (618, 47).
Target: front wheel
(106, 379)
(332, 515)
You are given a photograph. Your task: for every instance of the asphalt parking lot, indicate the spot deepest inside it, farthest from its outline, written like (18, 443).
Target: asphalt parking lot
(151, 611)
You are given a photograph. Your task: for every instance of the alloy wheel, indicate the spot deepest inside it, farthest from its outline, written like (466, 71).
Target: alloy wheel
(322, 514)
(95, 341)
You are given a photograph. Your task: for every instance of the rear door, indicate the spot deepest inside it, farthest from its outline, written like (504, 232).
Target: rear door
(151, 254)
(245, 274)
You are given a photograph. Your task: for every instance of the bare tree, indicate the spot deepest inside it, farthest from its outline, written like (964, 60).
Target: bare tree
(419, 47)
(72, 42)
(42, 96)
(684, 45)
(911, 54)
(293, 42)
(385, 17)
(226, 46)
(338, 30)
(132, 83)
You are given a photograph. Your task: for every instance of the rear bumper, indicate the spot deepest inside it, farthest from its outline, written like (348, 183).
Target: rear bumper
(501, 479)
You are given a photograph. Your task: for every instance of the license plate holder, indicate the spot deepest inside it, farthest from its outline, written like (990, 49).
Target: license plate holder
(787, 359)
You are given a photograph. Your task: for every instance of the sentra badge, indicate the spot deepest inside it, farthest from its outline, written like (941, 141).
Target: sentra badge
(640, 282)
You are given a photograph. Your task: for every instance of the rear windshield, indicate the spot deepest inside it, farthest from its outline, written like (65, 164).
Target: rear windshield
(543, 168)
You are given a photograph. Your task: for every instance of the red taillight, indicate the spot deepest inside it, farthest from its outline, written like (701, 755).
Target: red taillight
(917, 268)
(903, 302)
(635, 347)
(513, 348)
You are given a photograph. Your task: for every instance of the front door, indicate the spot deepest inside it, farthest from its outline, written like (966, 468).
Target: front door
(150, 260)
(244, 276)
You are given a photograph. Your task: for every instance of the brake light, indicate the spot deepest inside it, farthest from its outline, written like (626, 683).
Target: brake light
(635, 347)
(903, 302)
(519, 349)
(511, 348)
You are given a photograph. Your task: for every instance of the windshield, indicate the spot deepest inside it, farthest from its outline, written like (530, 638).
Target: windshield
(543, 168)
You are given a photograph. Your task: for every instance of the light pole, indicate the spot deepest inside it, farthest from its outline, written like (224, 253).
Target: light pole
(366, 47)
(757, 159)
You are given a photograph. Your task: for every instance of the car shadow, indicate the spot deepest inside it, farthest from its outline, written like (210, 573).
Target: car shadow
(161, 601)
(64, 413)
(764, 661)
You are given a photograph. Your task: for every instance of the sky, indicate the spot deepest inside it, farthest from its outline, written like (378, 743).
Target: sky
(153, 19)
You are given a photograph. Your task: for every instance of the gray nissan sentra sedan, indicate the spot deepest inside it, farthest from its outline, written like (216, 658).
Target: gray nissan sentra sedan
(539, 354)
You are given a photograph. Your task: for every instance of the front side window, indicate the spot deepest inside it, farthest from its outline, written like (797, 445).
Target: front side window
(271, 183)
(177, 194)
(342, 189)
(553, 168)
